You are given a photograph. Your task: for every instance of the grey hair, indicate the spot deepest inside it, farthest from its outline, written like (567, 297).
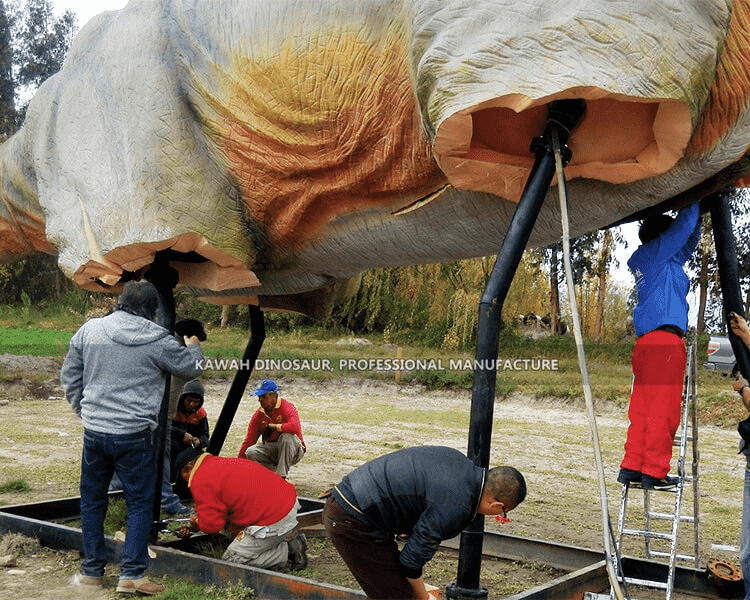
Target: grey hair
(139, 298)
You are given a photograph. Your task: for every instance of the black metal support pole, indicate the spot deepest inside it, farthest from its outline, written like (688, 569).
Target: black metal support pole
(232, 402)
(729, 272)
(563, 117)
(165, 279)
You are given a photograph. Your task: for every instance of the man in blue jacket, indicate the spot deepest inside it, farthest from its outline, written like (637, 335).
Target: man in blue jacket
(658, 361)
(428, 493)
(114, 377)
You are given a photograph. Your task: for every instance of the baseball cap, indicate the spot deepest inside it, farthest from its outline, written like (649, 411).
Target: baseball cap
(266, 387)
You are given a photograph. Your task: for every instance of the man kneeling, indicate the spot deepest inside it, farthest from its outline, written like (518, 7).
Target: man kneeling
(255, 505)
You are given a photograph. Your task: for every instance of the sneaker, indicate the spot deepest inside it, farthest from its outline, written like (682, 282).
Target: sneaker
(652, 483)
(178, 508)
(139, 586)
(86, 580)
(298, 552)
(628, 476)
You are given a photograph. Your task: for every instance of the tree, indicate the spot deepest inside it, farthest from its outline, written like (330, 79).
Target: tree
(33, 45)
(554, 292)
(605, 261)
(8, 113)
(582, 249)
(704, 253)
(43, 42)
(39, 43)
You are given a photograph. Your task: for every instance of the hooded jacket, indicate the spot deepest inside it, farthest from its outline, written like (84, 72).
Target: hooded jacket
(115, 371)
(195, 423)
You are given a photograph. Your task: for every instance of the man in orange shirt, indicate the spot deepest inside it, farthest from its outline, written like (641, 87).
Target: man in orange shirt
(277, 423)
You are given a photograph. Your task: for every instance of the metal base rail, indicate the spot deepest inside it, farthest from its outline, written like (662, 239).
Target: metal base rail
(171, 561)
(586, 567)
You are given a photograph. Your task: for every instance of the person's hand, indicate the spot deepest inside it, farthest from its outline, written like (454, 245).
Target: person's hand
(191, 440)
(740, 386)
(419, 589)
(183, 532)
(739, 383)
(738, 325)
(189, 341)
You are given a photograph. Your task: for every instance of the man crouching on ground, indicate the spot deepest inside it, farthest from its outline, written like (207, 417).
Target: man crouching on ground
(254, 504)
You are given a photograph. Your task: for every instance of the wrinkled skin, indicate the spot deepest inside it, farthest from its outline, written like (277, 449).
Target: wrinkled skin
(279, 148)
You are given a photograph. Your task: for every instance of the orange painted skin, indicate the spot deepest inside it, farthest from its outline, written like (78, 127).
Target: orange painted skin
(23, 235)
(731, 87)
(318, 146)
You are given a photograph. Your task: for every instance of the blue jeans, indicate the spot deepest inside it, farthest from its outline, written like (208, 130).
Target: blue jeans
(169, 499)
(131, 456)
(745, 534)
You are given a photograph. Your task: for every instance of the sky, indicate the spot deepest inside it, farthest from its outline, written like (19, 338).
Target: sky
(85, 9)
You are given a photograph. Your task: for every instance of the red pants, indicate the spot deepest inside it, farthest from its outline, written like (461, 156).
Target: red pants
(655, 402)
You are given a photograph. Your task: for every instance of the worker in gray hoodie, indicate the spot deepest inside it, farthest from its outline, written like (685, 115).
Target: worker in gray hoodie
(114, 377)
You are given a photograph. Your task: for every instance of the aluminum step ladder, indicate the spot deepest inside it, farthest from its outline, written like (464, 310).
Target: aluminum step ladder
(655, 539)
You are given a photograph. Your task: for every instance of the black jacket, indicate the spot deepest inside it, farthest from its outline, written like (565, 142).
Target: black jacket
(430, 493)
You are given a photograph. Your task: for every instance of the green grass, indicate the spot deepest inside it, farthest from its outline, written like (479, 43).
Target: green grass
(15, 486)
(35, 341)
(117, 516)
(183, 589)
(302, 350)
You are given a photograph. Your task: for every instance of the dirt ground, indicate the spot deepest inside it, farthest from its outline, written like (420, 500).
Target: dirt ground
(345, 423)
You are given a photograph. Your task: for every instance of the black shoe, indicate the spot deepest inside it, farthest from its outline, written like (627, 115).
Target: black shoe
(652, 483)
(298, 552)
(628, 476)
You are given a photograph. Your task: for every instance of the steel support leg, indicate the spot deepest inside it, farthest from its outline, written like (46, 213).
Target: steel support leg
(164, 278)
(563, 117)
(729, 272)
(232, 402)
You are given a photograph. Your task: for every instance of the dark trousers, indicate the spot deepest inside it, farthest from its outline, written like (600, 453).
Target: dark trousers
(131, 456)
(370, 554)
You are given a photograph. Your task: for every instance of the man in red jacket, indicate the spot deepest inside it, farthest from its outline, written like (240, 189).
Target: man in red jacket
(277, 422)
(250, 502)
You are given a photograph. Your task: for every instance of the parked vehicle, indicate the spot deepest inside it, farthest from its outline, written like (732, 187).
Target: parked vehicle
(720, 355)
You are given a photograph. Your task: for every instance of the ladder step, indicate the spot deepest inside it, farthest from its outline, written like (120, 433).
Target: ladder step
(595, 596)
(649, 534)
(668, 517)
(660, 554)
(659, 585)
(637, 486)
(661, 516)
